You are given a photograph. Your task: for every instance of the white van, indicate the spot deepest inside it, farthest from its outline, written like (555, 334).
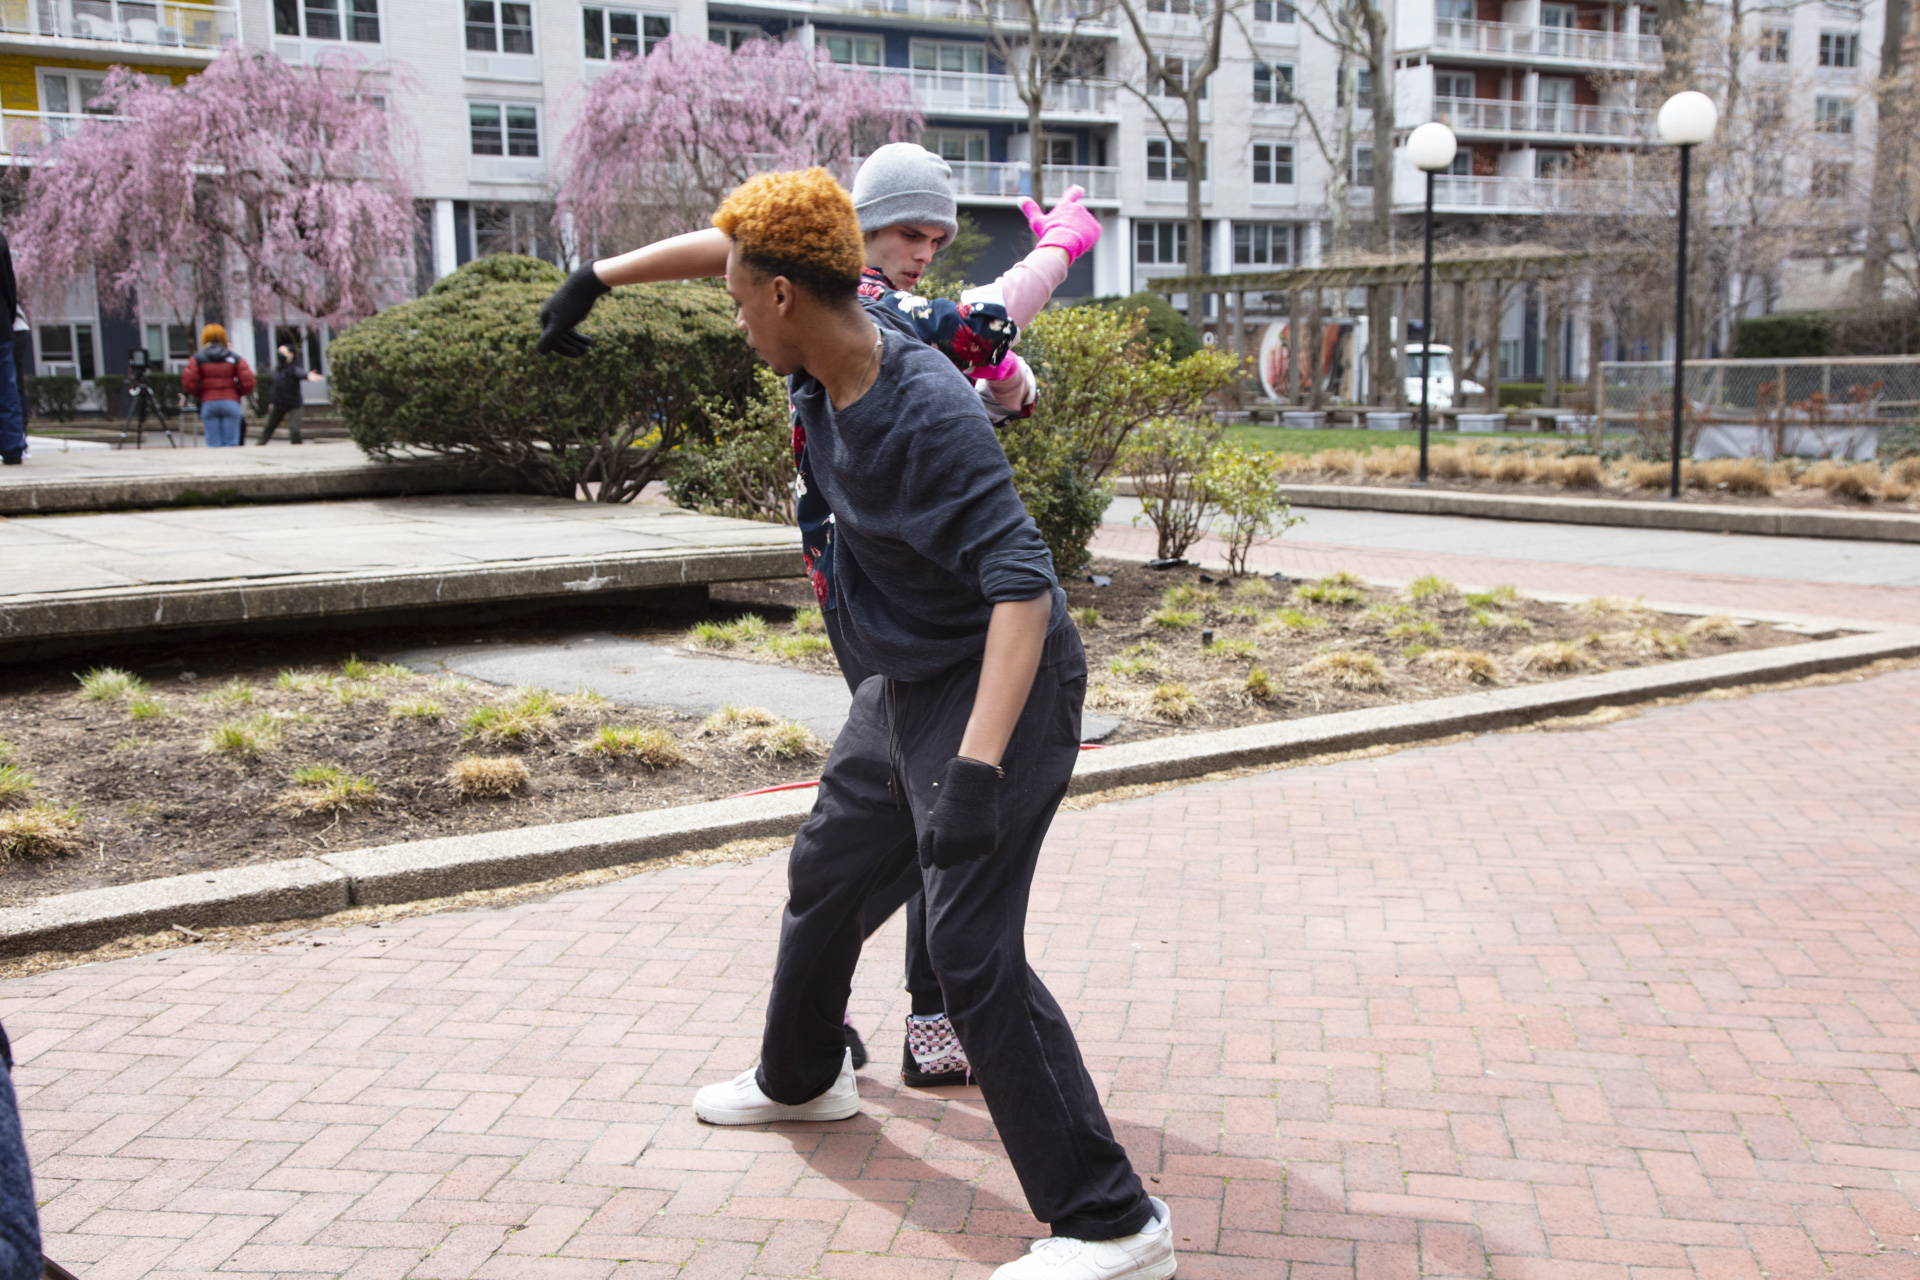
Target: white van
(1439, 378)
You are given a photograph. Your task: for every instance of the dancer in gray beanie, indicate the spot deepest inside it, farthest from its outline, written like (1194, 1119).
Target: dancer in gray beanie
(903, 182)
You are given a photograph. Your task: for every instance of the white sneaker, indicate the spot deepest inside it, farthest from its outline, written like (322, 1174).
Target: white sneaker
(739, 1101)
(1145, 1255)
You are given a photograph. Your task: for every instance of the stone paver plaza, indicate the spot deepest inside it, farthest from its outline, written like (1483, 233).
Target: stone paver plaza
(1637, 1001)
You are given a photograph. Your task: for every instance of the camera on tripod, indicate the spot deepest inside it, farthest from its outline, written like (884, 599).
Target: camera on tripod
(141, 401)
(137, 365)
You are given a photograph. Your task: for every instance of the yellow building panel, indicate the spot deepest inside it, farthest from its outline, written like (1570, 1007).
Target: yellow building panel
(20, 87)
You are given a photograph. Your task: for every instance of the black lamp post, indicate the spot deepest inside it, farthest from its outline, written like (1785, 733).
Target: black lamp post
(1431, 147)
(1686, 120)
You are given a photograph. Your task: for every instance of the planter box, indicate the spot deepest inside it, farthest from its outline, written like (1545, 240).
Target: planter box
(1856, 442)
(1304, 419)
(1390, 421)
(1481, 423)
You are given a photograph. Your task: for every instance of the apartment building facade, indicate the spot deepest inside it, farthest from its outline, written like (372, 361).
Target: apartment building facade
(487, 89)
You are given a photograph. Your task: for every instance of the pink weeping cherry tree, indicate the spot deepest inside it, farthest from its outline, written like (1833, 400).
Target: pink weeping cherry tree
(660, 141)
(270, 187)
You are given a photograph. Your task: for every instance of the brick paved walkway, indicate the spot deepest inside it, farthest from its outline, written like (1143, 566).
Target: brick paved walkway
(1633, 1002)
(1299, 556)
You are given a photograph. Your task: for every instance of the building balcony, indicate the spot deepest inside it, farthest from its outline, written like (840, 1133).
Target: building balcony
(1499, 120)
(136, 31)
(972, 93)
(1057, 16)
(27, 132)
(1501, 193)
(1009, 182)
(1513, 43)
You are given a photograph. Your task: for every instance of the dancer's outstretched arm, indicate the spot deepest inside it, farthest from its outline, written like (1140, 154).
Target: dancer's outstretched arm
(688, 257)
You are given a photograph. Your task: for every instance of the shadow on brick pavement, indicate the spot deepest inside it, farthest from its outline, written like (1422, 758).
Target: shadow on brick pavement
(1633, 1002)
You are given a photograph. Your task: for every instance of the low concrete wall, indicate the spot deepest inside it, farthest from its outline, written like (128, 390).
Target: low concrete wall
(359, 478)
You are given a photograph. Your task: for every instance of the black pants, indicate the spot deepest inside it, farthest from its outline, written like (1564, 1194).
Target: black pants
(875, 792)
(274, 416)
(922, 984)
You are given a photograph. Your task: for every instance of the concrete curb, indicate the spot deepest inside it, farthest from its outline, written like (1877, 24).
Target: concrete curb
(302, 887)
(1762, 521)
(360, 479)
(162, 606)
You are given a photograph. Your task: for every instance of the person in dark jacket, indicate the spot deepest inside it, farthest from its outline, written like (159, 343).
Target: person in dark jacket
(19, 1219)
(286, 403)
(220, 377)
(13, 423)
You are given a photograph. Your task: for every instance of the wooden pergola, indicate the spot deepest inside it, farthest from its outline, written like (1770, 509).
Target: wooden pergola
(1384, 277)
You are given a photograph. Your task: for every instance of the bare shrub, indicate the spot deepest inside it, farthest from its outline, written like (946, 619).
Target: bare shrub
(1715, 626)
(1554, 656)
(476, 777)
(1847, 481)
(1736, 475)
(1511, 468)
(1352, 669)
(1472, 665)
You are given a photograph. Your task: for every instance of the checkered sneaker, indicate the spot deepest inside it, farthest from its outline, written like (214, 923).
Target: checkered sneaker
(935, 1048)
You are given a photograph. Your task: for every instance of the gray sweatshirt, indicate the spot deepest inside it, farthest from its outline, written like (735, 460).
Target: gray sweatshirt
(929, 533)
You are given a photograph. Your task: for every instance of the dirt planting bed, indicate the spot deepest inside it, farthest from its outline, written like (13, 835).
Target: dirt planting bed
(175, 759)
(1177, 651)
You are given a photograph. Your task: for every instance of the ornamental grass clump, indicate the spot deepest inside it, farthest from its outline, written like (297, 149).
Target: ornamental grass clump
(1291, 620)
(480, 777)
(1232, 650)
(1502, 594)
(1085, 617)
(1554, 657)
(655, 748)
(758, 731)
(110, 684)
(15, 784)
(1259, 686)
(146, 707)
(1353, 669)
(1252, 589)
(416, 709)
(234, 693)
(1172, 619)
(1715, 626)
(1328, 592)
(798, 646)
(327, 788)
(44, 830)
(1471, 665)
(747, 629)
(1172, 701)
(528, 715)
(1429, 586)
(1648, 642)
(244, 739)
(1849, 482)
(1186, 595)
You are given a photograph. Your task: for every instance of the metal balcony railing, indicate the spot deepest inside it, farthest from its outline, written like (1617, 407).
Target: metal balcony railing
(1547, 44)
(976, 93)
(1460, 193)
(1013, 180)
(22, 131)
(201, 27)
(1055, 13)
(1576, 123)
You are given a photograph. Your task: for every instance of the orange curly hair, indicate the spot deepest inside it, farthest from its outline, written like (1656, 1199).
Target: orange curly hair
(799, 225)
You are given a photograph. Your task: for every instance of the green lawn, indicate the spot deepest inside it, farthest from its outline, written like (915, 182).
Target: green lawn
(1286, 440)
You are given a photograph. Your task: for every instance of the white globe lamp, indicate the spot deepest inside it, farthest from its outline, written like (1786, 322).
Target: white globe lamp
(1687, 118)
(1432, 147)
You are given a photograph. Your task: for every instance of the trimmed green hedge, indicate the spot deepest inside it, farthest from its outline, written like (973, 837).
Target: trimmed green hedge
(1165, 324)
(1784, 336)
(455, 373)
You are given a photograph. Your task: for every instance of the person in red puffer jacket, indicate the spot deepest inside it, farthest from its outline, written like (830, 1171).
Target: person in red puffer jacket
(219, 376)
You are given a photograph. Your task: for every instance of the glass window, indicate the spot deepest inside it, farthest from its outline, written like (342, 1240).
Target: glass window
(1170, 6)
(56, 344)
(286, 20)
(733, 36)
(623, 33)
(1262, 244)
(1166, 164)
(1831, 181)
(1363, 81)
(1272, 164)
(1833, 115)
(1839, 48)
(499, 28)
(956, 146)
(1564, 16)
(1272, 11)
(1362, 166)
(523, 130)
(1453, 84)
(364, 22)
(323, 19)
(1455, 10)
(1178, 75)
(1775, 45)
(928, 55)
(1272, 84)
(1160, 243)
(483, 129)
(356, 20)
(853, 51)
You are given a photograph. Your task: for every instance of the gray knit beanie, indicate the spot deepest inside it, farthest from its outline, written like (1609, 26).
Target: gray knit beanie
(904, 182)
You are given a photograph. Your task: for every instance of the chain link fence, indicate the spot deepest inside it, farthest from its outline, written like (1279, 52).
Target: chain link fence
(1841, 407)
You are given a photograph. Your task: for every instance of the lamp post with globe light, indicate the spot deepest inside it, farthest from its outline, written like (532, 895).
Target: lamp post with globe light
(1685, 120)
(1431, 147)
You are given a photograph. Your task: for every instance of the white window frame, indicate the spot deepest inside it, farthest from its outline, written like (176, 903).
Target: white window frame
(1274, 162)
(1368, 167)
(1827, 168)
(858, 43)
(77, 360)
(496, 27)
(1774, 46)
(1165, 236)
(1570, 12)
(1838, 45)
(1268, 77)
(1161, 89)
(1280, 11)
(937, 48)
(1452, 80)
(1161, 151)
(347, 14)
(604, 14)
(934, 139)
(1833, 116)
(1260, 239)
(507, 167)
(735, 34)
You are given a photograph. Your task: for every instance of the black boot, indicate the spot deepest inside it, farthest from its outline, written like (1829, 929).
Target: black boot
(856, 1047)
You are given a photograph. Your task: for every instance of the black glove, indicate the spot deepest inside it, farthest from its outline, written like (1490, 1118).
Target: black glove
(965, 823)
(570, 304)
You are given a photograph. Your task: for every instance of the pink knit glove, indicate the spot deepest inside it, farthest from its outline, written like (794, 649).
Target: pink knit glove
(1067, 226)
(996, 372)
